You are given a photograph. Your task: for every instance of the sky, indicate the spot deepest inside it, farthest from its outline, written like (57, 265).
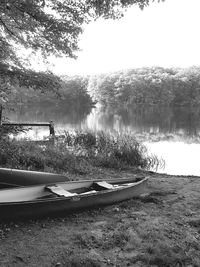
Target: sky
(164, 34)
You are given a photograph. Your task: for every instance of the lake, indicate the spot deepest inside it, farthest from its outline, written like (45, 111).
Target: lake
(171, 133)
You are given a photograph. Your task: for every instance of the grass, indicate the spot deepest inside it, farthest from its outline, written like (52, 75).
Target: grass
(77, 152)
(115, 151)
(160, 228)
(31, 156)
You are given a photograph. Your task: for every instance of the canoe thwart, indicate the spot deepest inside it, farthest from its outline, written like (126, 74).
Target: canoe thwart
(103, 185)
(59, 191)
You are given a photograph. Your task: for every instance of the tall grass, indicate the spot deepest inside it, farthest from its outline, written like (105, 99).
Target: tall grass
(33, 156)
(77, 152)
(115, 151)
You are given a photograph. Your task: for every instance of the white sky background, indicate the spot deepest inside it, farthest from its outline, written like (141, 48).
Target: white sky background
(163, 34)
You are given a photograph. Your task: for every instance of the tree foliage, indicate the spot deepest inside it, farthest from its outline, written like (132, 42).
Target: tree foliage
(143, 86)
(13, 80)
(152, 86)
(48, 27)
(52, 26)
(72, 93)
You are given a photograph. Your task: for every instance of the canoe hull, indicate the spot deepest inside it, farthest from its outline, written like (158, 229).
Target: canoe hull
(14, 178)
(64, 206)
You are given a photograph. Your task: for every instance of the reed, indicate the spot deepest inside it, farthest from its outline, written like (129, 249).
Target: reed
(109, 150)
(77, 153)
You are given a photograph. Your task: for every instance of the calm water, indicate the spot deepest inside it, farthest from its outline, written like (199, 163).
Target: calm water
(173, 134)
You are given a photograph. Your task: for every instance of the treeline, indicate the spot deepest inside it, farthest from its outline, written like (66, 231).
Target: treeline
(72, 90)
(150, 86)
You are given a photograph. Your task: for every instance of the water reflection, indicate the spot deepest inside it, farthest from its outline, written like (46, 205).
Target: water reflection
(149, 123)
(172, 133)
(59, 112)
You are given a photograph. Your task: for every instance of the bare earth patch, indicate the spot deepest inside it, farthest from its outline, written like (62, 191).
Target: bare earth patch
(161, 228)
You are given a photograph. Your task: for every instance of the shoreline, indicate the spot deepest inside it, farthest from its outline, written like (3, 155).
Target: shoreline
(161, 228)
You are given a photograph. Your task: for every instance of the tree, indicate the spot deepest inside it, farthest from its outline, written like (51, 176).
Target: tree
(48, 27)
(11, 78)
(51, 26)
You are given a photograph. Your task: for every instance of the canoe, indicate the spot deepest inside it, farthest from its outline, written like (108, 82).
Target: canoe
(13, 178)
(65, 197)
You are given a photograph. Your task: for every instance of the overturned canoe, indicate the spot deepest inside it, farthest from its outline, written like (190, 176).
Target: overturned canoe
(13, 178)
(63, 198)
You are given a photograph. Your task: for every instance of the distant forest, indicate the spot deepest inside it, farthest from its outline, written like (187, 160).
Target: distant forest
(151, 86)
(72, 91)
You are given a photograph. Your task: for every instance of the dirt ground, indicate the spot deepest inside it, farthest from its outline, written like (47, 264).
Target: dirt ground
(160, 228)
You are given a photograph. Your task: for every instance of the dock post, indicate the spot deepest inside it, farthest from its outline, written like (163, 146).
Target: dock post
(52, 131)
(1, 128)
(1, 111)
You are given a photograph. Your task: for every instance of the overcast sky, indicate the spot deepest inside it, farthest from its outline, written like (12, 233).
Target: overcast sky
(164, 34)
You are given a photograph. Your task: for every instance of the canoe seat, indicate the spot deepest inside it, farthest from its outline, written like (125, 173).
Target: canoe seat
(88, 192)
(59, 191)
(128, 184)
(104, 185)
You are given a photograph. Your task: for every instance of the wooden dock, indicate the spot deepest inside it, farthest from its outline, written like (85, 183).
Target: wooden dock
(30, 124)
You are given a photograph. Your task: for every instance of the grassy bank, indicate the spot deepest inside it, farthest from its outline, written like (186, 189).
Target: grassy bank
(77, 152)
(160, 229)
